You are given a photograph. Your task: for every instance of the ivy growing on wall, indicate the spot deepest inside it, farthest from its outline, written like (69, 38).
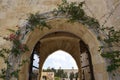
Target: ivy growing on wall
(18, 48)
(35, 20)
(113, 43)
(74, 12)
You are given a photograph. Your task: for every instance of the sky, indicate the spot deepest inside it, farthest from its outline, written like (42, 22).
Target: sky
(58, 59)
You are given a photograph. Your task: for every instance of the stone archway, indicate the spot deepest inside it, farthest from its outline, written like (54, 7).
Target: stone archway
(71, 44)
(67, 44)
(77, 29)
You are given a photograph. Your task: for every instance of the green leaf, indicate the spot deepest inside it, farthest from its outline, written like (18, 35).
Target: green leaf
(15, 73)
(112, 67)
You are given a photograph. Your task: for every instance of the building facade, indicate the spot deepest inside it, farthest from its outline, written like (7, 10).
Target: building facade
(77, 39)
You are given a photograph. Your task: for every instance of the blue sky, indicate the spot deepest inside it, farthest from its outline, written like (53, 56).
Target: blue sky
(58, 59)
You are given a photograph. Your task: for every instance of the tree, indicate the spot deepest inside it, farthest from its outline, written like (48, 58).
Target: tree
(60, 73)
(53, 70)
(71, 76)
(65, 75)
(76, 75)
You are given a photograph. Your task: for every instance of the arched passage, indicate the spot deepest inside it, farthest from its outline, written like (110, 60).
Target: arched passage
(67, 44)
(60, 62)
(78, 30)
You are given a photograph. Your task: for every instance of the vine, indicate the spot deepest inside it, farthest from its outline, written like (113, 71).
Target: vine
(35, 20)
(113, 43)
(74, 12)
(18, 48)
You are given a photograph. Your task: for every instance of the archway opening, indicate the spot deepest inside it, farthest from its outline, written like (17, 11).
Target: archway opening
(59, 59)
(41, 54)
(61, 65)
(71, 43)
(82, 58)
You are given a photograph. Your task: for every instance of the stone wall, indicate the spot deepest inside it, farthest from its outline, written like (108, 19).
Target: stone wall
(13, 12)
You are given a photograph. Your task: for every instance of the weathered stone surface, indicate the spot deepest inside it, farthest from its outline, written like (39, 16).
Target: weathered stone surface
(12, 12)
